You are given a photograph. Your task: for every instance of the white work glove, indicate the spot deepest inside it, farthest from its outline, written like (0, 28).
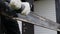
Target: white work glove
(15, 4)
(26, 10)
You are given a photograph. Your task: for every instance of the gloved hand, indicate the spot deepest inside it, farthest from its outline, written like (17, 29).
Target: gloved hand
(15, 4)
(26, 9)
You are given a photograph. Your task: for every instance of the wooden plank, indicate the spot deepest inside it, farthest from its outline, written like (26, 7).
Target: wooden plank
(39, 21)
(36, 20)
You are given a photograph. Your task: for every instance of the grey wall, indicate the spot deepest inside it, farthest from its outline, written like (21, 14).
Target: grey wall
(40, 30)
(45, 8)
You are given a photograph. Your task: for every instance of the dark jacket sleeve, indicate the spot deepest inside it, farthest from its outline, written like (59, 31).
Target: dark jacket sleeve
(6, 9)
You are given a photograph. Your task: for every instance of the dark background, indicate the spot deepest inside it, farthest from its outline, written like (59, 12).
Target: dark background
(57, 3)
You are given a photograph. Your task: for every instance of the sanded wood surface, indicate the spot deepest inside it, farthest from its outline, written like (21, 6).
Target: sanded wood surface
(39, 21)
